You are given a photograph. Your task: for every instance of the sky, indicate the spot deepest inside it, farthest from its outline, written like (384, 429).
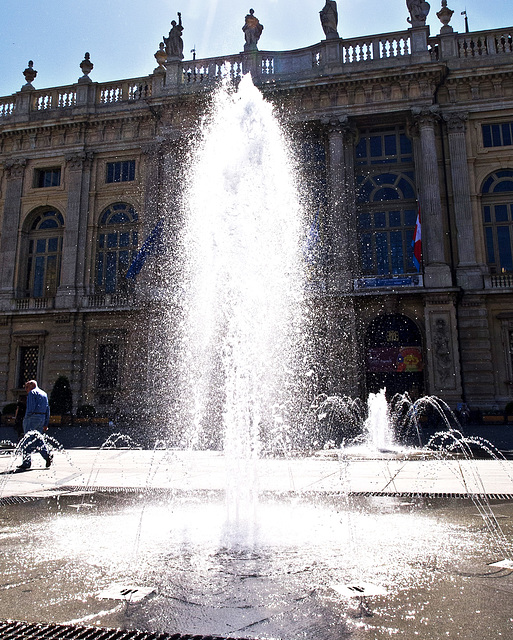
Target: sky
(122, 35)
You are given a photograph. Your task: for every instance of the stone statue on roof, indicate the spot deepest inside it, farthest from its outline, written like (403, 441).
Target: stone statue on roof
(329, 19)
(419, 10)
(252, 31)
(174, 42)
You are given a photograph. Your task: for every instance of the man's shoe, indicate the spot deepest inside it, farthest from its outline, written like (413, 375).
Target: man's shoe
(49, 461)
(23, 467)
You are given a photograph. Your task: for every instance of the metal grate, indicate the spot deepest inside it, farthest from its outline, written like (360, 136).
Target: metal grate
(362, 494)
(14, 630)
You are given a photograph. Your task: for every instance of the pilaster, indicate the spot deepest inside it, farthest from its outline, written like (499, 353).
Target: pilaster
(72, 285)
(469, 275)
(437, 273)
(341, 213)
(14, 171)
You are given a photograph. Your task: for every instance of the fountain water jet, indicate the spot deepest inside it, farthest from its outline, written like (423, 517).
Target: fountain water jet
(242, 264)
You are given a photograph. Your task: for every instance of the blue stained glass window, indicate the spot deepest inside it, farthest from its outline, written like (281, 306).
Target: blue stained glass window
(365, 221)
(406, 147)
(506, 133)
(395, 218)
(391, 145)
(361, 148)
(382, 253)
(487, 214)
(99, 268)
(385, 194)
(375, 146)
(366, 252)
(489, 245)
(117, 244)
(407, 189)
(496, 135)
(110, 273)
(487, 135)
(503, 186)
(396, 251)
(501, 213)
(504, 247)
(49, 224)
(42, 273)
(380, 219)
(39, 278)
(385, 178)
(410, 217)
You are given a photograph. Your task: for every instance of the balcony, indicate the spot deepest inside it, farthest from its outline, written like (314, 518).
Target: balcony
(389, 282)
(33, 304)
(502, 281)
(108, 301)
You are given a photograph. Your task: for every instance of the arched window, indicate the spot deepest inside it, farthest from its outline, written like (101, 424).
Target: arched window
(386, 201)
(386, 223)
(116, 247)
(497, 194)
(42, 274)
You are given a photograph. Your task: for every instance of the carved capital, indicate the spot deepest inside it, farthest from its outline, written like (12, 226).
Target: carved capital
(15, 167)
(455, 121)
(78, 161)
(341, 126)
(425, 116)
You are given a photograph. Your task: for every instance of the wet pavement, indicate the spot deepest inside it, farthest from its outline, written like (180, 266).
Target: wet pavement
(145, 540)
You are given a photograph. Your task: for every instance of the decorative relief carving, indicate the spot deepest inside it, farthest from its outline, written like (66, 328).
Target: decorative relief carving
(456, 121)
(78, 161)
(442, 351)
(425, 116)
(15, 167)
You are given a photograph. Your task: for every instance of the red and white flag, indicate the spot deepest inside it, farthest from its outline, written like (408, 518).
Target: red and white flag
(417, 243)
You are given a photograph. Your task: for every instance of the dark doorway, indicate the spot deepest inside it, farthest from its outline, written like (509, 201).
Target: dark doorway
(394, 356)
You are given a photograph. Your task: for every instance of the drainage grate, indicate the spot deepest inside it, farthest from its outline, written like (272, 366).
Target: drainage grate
(362, 494)
(6, 501)
(13, 630)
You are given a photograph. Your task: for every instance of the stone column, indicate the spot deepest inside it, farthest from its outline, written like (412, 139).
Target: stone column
(74, 245)
(338, 356)
(437, 272)
(9, 249)
(341, 204)
(469, 275)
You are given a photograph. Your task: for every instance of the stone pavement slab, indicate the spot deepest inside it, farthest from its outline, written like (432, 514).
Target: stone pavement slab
(93, 469)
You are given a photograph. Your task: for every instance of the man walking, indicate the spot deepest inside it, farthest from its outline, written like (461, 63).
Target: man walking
(35, 423)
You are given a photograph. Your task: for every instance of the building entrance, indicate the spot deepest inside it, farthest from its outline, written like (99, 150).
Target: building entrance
(394, 360)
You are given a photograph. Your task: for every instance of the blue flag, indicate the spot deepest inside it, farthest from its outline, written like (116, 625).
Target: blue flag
(152, 246)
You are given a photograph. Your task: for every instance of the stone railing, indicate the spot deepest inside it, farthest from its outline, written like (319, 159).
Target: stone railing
(107, 300)
(123, 91)
(502, 281)
(326, 57)
(24, 304)
(59, 98)
(485, 43)
(7, 106)
(373, 48)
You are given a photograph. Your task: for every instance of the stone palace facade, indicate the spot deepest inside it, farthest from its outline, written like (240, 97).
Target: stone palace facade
(386, 125)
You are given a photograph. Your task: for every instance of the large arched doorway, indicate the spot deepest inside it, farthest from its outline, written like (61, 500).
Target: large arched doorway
(393, 355)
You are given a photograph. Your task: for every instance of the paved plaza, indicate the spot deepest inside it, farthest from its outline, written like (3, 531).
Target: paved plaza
(95, 469)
